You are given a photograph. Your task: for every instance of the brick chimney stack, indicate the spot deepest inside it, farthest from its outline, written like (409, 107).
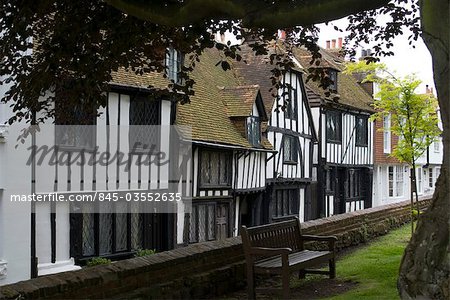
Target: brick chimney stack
(282, 35)
(328, 44)
(340, 43)
(333, 43)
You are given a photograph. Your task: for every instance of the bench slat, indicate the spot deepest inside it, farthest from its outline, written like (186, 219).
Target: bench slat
(294, 259)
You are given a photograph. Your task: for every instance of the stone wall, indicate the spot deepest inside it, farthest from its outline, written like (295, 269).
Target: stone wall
(196, 271)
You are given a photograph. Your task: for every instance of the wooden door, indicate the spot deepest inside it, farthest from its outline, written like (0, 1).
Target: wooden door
(222, 221)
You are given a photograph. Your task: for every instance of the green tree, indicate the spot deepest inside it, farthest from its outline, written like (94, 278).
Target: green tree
(413, 116)
(87, 39)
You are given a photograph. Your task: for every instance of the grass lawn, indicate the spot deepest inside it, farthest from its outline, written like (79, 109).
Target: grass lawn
(375, 267)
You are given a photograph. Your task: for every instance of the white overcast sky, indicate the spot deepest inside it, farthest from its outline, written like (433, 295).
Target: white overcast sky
(407, 60)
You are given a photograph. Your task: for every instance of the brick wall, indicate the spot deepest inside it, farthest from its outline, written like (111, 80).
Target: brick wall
(199, 270)
(379, 156)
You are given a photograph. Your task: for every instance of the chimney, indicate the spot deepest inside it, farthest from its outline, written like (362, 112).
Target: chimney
(328, 44)
(427, 90)
(340, 43)
(333, 43)
(282, 34)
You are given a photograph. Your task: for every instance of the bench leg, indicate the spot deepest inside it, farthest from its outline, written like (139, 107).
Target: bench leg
(332, 265)
(301, 274)
(250, 283)
(285, 278)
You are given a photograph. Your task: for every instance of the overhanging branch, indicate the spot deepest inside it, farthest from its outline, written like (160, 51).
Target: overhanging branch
(253, 13)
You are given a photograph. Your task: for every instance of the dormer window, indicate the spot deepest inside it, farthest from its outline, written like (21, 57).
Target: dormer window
(254, 130)
(174, 62)
(332, 73)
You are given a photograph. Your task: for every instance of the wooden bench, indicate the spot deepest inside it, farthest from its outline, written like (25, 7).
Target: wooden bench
(278, 248)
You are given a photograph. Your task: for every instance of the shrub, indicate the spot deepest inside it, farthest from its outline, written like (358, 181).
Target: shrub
(144, 252)
(95, 261)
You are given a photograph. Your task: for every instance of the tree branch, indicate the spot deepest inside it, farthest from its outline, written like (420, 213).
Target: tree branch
(253, 13)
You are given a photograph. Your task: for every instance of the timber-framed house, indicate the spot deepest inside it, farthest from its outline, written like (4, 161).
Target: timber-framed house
(345, 153)
(229, 152)
(290, 130)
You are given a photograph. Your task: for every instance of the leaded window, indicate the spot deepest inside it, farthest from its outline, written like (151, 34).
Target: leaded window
(286, 203)
(76, 124)
(144, 116)
(361, 131)
(334, 80)
(354, 184)
(209, 221)
(334, 127)
(215, 168)
(290, 149)
(107, 233)
(174, 63)
(254, 130)
(290, 103)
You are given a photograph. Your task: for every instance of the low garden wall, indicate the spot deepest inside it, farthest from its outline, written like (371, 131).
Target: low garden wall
(197, 271)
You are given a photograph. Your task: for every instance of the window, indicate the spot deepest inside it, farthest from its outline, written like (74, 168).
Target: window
(106, 233)
(333, 77)
(399, 181)
(144, 112)
(215, 168)
(430, 178)
(254, 130)
(286, 203)
(419, 180)
(361, 131)
(209, 221)
(75, 128)
(290, 149)
(290, 111)
(354, 184)
(174, 62)
(391, 181)
(387, 134)
(395, 178)
(334, 130)
(437, 146)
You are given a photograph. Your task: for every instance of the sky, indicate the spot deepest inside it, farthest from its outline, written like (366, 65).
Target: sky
(407, 60)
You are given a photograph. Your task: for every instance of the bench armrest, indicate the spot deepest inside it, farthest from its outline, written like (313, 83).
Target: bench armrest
(330, 239)
(269, 251)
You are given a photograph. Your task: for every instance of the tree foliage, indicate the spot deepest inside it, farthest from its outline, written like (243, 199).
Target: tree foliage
(413, 116)
(77, 44)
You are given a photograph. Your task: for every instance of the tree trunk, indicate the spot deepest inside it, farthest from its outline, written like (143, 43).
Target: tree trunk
(424, 270)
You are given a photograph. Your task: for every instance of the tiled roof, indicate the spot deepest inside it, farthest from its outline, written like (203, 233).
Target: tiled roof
(239, 100)
(207, 113)
(256, 69)
(129, 78)
(350, 94)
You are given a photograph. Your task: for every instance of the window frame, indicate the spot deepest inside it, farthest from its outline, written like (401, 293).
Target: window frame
(147, 104)
(292, 201)
(294, 149)
(387, 134)
(333, 75)
(74, 125)
(290, 107)
(174, 61)
(337, 116)
(254, 133)
(362, 134)
(228, 169)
